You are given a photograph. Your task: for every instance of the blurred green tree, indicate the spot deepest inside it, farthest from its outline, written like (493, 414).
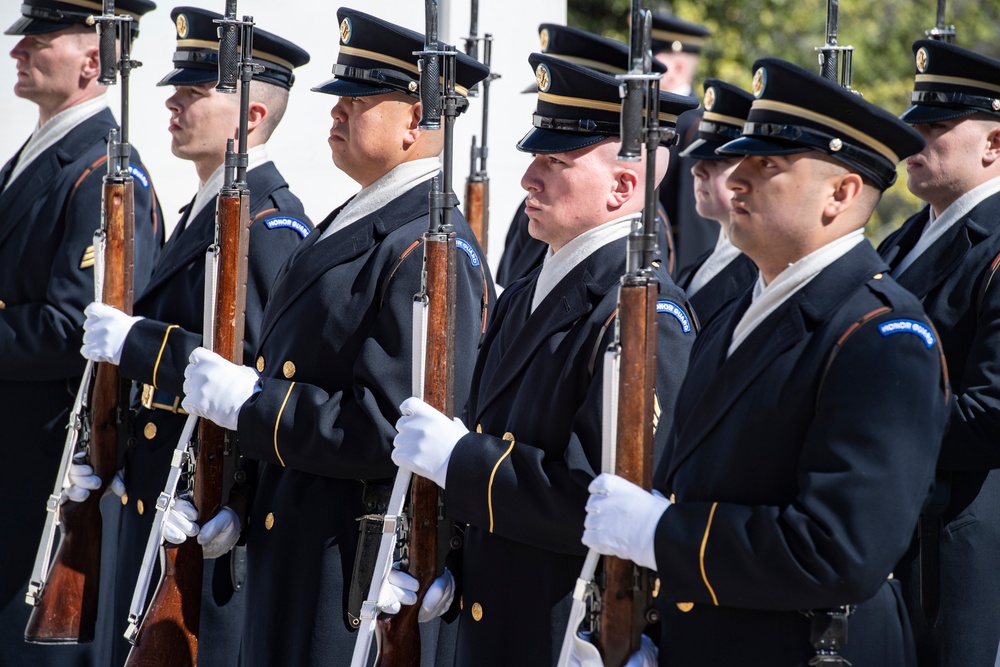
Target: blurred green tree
(881, 32)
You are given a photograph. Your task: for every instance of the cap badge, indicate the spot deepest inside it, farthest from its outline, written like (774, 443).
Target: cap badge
(543, 78)
(922, 59)
(709, 101)
(182, 26)
(412, 86)
(759, 82)
(345, 31)
(543, 37)
(836, 144)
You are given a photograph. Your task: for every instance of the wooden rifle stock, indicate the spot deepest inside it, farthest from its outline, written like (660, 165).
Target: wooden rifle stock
(66, 612)
(623, 615)
(168, 636)
(477, 206)
(399, 635)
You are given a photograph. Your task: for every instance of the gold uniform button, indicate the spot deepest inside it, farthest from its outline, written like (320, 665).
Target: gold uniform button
(139, 507)
(477, 611)
(877, 276)
(149, 430)
(288, 369)
(479, 428)
(124, 499)
(685, 606)
(269, 521)
(2, 305)
(673, 499)
(260, 364)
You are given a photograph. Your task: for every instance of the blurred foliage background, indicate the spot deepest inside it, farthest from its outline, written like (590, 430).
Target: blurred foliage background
(882, 33)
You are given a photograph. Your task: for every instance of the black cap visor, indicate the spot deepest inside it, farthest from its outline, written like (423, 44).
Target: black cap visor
(747, 145)
(543, 141)
(928, 113)
(704, 149)
(31, 26)
(349, 88)
(189, 76)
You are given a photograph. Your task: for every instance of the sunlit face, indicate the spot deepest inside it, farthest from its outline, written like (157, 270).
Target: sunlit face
(950, 163)
(569, 193)
(49, 66)
(776, 203)
(201, 120)
(712, 195)
(367, 135)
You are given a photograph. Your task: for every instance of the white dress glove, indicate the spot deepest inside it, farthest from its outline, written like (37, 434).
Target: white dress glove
(118, 483)
(584, 654)
(621, 520)
(216, 389)
(82, 481)
(401, 589)
(220, 533)
(104, 333)
(179, 523)
(425, 441)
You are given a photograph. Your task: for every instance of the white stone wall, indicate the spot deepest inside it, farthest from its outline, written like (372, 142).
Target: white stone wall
(299, 146)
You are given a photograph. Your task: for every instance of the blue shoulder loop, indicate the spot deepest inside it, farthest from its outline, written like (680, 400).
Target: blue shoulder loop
(138, 175)
(909, 326)
(673, 309)
(462, 244)
(290, 223)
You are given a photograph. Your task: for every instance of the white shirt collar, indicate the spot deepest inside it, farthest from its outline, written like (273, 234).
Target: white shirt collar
(938, 225)
(768, 297)
(557, 265)
(400, 179)
(724, 253)
(57, 127)
(209, 190)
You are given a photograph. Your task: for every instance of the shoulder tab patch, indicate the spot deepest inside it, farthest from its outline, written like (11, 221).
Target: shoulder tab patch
(139, 175)
(909, 326)
(672, 308)
(462, 244)
(291, 223)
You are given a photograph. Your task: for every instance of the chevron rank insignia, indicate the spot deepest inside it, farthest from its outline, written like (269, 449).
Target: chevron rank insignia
(87, 260)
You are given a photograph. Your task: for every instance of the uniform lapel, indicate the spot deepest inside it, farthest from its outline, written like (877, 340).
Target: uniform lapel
(941, 259)
(315, 257)
(185, 247)
(36, 181)
(572, 299)
(714, 383)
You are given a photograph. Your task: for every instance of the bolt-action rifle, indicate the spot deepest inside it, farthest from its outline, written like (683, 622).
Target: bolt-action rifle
(65, 595)
(835, 62)
(168, 634)
(618, 604)
(416, 528)
(941, 30)
(477, 184)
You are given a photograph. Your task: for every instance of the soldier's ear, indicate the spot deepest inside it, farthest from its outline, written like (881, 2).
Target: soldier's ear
(90, 67)
(846, 189)
(992, 153)
(626, 186)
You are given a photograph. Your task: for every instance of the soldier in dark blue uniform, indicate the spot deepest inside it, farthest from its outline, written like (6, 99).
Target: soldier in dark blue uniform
(50, 207)
(947, 255)
(723, 272)
(519, 480)
(678, 44)
(153, 346)
(334, 354)
(522, 253)
(807, 428)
